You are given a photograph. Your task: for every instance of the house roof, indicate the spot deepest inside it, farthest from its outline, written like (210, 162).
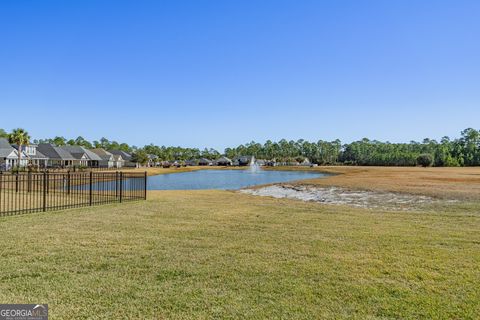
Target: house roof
(8, 153)
(103, 154)
(244, 159)
(38, 154)
(54, 152)
(204, 160)
(6, 149)
(78, 152)
(224, 159)
(125, 155)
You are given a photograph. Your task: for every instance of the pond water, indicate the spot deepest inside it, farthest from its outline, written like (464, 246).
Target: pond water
(225, 179)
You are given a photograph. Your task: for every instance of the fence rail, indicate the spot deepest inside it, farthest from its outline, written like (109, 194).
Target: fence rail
(36, 192)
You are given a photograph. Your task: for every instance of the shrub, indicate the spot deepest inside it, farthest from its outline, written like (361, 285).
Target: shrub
(425, 160)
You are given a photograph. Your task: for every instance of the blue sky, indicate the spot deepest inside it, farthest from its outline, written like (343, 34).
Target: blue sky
(221, 73)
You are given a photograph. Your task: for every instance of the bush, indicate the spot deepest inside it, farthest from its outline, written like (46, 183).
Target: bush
(425, 160)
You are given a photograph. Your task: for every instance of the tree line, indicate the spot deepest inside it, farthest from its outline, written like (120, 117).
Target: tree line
(462, 151)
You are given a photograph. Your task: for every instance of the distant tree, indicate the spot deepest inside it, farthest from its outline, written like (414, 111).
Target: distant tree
(59, 141)
(3, 134)
(425, 160)
(21, 138)
(470, 143)
(124, 147)
(104, 143)
(140, 156)
(80, 141)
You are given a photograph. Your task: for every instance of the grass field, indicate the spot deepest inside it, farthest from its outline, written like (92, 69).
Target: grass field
(221, 254)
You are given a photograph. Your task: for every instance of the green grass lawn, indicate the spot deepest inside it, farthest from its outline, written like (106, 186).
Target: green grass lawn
(219, 254)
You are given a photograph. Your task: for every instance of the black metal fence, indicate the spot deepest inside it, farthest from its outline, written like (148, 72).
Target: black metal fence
(34, 192)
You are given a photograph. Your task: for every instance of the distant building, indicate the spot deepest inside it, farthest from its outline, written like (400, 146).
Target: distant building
(8, 155)
(127, 158)
(224, 161)
(152, 160)
(244, 160)
(271, 163)
(261, 162)
(204, 162)
(83, 157)
(107, 159)
(191, 162)
(118, 161)
(306, 163)
(35, 157)
(57, 157)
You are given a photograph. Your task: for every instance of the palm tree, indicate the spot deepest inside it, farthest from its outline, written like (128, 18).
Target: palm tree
(21, 138)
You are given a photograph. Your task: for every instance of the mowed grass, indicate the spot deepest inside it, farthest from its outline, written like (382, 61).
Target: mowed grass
(220, 254)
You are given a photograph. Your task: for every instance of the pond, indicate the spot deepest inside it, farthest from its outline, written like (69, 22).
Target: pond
(225, 179)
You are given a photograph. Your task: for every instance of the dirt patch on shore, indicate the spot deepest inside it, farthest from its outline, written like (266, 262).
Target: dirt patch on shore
(442, 183)
(343, 196)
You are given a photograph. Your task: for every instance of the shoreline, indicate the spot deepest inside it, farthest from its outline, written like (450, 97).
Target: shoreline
(455, 183)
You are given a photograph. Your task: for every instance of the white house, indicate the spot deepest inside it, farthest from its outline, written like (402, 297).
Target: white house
(32, 156)
(8, 155)
(118, 161)
(125, 159)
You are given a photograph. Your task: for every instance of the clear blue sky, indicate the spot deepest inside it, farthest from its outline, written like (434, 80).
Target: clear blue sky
(220, 73)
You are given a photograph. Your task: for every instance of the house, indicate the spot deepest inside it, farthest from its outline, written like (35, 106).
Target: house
(118, 161)
(261, 162)
(165, 164)
(245, 160)
(204, 162)
(83, 157)
(33, 157)
(152, 160)
(306, 163)
(57, 157)
(8, 155)
(177, 163)
(127, 158)
(224, 161)
(107, 159)
(271, 163)
(191, 162)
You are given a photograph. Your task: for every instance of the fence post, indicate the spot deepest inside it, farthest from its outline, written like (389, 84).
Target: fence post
(44, 191)
(91, 187)
(145, 185)
(29, 182)
(1, 186)
(68, 182)
(121, 186)
(16, 182)
(48, 181)
(116, 184)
